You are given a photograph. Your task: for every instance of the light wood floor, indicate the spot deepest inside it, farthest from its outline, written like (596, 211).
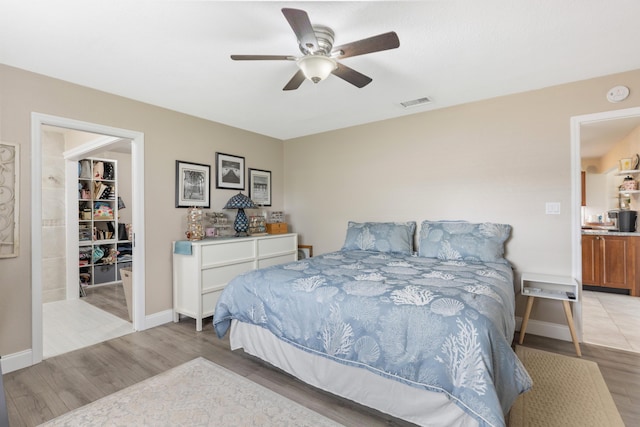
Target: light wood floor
(109, 298)
(62, 383)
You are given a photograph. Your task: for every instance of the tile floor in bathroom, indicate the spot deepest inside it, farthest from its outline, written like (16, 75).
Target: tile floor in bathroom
(70, 325)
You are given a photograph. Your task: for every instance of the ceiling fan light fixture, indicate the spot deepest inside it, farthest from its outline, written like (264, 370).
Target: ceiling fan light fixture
(317, 67)
(319, 57)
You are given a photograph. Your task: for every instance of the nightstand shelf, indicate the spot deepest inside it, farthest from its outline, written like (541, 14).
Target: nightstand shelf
(561, 288)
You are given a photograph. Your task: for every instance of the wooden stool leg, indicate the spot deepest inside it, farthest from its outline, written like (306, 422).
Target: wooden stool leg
(572, 329)
(525, 319)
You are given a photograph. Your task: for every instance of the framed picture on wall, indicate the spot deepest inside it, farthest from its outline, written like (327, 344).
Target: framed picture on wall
(229, 171)
(9, 199)
(260, 187)
(193, 185)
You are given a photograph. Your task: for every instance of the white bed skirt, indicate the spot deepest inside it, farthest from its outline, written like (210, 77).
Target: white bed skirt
(422, 407)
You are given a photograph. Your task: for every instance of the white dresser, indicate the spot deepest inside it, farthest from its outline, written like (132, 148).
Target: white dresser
(199, 278)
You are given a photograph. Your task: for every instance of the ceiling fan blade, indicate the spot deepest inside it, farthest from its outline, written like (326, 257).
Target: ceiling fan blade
(295, 81)
(352, 76)
(301, 26)
(263, 57)
(377, 43)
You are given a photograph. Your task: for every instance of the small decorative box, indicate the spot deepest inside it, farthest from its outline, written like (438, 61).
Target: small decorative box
(277, 228)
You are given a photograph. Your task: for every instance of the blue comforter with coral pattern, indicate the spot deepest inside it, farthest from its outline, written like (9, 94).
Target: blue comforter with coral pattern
(443, 326)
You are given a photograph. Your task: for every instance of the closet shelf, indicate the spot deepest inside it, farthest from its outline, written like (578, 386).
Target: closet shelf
(99, 228)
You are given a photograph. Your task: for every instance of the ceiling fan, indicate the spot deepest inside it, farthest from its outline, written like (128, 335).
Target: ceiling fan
(320, 57)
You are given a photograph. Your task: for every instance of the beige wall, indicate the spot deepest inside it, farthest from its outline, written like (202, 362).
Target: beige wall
(603, 180)
(628, 147)
(498, 160)
(169, 136)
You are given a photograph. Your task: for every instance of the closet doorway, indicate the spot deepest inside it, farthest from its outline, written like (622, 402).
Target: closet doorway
(106, 317)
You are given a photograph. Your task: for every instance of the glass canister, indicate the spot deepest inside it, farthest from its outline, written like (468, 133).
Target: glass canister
(195, 226)
(629, 184)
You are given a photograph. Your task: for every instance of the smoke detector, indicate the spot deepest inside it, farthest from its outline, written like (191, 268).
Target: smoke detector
(617, 94)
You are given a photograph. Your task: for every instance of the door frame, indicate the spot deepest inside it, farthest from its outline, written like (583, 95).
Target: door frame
(112, 135)
(576, 196)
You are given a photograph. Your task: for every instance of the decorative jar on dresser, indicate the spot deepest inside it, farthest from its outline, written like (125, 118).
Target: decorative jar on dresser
(203, 268)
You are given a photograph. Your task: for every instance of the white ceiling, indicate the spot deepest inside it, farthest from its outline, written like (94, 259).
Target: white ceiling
(175, 54)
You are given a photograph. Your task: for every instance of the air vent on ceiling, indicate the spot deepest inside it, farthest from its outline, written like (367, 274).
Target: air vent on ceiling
(416, 102)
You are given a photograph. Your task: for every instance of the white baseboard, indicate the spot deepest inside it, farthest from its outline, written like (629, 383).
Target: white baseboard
(15, 361)
(24, 359)
(545, 329)
(158, 319)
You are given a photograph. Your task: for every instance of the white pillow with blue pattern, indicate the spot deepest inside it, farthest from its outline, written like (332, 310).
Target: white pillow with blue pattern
(463, 241)
(380, 236)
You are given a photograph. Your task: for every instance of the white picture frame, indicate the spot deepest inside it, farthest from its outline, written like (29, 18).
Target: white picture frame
(9, 200)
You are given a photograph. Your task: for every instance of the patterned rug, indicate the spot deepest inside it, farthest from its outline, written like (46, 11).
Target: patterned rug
(197, 393)
(567, 391)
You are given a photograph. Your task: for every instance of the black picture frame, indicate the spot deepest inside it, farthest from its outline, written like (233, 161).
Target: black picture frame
(260, 187)
(230, 171)
(193, 184)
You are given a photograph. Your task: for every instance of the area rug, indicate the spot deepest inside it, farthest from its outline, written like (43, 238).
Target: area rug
(567, 391)
(197, 393)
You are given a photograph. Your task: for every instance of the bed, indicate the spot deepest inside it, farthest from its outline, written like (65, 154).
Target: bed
(422, 335)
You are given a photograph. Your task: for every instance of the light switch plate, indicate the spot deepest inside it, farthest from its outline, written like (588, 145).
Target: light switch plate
(552, 208)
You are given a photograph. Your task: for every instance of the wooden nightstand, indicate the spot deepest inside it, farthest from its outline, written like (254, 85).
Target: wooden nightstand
(560, 288)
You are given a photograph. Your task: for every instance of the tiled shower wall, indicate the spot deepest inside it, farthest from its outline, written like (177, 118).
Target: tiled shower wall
(53, 218)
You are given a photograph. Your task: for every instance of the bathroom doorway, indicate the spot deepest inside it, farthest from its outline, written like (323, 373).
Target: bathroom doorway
(78, 313)
(108, 137)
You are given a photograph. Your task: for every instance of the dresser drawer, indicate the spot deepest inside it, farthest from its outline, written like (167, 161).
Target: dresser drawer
(281, 259)
(275, 246)
(209, 301)
(217, 277)
(225, 252)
